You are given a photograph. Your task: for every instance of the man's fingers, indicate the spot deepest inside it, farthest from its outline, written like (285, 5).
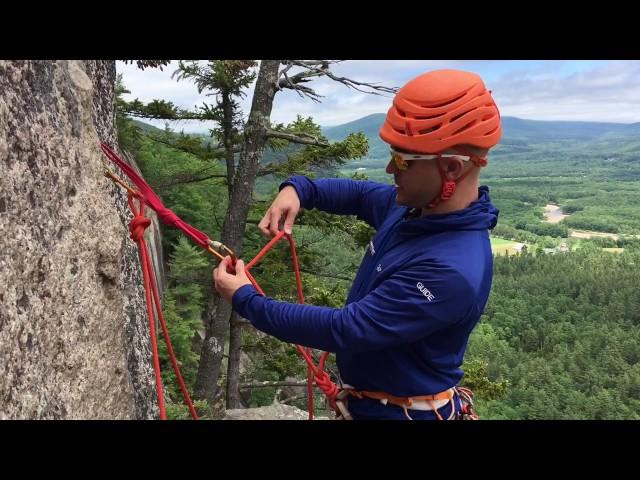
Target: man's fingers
(229, 267)
(275, 220)
(239, 266)
(291, 218)
(264, 223)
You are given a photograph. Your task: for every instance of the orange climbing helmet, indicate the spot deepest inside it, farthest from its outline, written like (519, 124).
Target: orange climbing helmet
(440, 109)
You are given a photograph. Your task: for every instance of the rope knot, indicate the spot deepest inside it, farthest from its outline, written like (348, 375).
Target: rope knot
(137, 227)
(325, 384)
(167, 216)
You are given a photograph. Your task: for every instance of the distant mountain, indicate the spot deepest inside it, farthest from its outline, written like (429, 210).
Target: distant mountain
(516, 132)
(530, 131)
(150, 129)
(521, 137)
(369, 125)
(538, 130)
(145, 127)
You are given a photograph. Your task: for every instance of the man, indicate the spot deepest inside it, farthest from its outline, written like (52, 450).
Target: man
(425, 279)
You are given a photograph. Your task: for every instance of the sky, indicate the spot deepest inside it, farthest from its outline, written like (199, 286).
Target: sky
(576, 90)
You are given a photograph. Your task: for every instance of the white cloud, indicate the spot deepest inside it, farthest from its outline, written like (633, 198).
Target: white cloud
(610, 92)
(550, 90)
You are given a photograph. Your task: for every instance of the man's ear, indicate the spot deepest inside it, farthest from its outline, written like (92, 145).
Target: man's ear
(453, 167)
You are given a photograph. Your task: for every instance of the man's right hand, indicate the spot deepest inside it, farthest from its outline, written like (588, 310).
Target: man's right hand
(282, 212)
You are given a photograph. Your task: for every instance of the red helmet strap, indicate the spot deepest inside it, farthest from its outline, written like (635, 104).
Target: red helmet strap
(448, 187)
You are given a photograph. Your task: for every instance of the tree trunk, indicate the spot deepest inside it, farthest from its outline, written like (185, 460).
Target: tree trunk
(233, 363)
(253, 144)
(227, 138)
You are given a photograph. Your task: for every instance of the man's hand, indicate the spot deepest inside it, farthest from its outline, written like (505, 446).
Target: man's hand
(227, 283)
(284, 208)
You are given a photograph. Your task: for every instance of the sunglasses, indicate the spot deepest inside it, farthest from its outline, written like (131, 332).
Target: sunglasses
(402, 159)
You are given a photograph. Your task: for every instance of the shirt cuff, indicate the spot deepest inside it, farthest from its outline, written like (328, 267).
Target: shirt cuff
(240, 298)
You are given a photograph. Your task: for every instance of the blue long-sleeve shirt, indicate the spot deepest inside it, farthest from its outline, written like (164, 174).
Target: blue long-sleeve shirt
(420, 290)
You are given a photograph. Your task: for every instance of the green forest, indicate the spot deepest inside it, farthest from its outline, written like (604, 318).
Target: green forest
(560, 337)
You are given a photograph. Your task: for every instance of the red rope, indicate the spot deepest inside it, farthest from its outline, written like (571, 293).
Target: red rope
(137, 227)
(314, 372)
(146, 196)
(150, 198)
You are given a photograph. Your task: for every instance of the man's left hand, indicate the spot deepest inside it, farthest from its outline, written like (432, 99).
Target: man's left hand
(227, 283)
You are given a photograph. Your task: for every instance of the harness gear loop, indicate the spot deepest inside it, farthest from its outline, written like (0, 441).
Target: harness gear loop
(468, 411)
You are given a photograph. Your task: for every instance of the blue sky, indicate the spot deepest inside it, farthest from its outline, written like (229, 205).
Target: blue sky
(577, 90)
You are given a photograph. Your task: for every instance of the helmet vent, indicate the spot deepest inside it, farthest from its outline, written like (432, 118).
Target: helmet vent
(491, 132)
(428, 130)
(465, 127)
(458, 116)
(427, 117)
(443, 103)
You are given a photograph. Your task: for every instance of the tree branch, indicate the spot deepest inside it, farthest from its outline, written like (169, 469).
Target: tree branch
(243, 322)
(142, 64)
(293, 398)
(172, 145)
(186, 179)
(293, 82)
(303, 138)
(263, 171)
(318, 68)
(272, 384)
(217, 149)
(302, 90)
(180, 115)
(326, 275)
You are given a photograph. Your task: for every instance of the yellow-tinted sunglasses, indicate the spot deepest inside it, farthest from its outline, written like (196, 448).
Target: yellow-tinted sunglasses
(401, 159)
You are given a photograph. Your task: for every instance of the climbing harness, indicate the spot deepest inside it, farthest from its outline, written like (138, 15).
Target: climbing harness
(421, 402)
(468, 411)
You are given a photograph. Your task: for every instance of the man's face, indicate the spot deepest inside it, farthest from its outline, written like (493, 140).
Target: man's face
(418, 184)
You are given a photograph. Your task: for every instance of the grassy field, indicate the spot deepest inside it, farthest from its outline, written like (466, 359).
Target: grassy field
(500, 246)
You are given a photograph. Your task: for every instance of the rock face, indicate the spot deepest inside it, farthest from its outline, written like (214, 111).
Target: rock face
(272, 412)
(74, 337)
